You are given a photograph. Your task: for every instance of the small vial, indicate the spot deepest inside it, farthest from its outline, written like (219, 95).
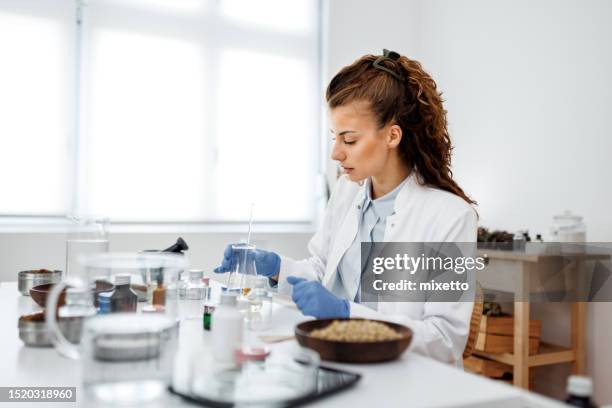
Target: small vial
(159, 293)
(580, 392)
(207, 288)
(123, 298)
(181, 286)
(518, 241)
(194, 296)
(207, 317)
(104, 302)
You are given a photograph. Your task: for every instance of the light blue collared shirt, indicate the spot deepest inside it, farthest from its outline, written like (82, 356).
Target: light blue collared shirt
(372, 223)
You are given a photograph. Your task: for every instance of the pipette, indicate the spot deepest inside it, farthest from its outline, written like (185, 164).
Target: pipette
(250, 224)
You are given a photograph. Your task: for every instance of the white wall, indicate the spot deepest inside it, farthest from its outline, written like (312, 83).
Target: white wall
(528, 91)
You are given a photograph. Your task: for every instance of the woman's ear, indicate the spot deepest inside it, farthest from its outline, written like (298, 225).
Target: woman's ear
(394, 136)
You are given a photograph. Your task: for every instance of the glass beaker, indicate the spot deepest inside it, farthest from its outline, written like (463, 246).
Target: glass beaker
(126, 357)
(259, 313)
(85, 236)
(242, 278)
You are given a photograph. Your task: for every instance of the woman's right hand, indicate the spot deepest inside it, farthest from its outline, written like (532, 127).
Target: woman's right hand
(267, 263)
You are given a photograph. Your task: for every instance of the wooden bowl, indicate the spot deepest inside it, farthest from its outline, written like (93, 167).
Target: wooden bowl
(353, 352)
(39, 293)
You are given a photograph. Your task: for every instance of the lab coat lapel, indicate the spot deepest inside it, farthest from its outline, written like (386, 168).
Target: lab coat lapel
(345, 236)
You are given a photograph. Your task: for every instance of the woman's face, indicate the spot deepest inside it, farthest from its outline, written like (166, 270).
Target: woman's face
(359, 146)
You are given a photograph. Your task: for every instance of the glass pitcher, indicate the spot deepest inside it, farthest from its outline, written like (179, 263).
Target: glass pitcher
(86, 236)
(126, 357)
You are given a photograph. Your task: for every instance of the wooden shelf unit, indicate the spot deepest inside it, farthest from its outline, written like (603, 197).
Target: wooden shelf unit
(548, 354)
(518, 269)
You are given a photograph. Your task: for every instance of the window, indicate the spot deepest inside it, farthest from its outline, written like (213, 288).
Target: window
(188, 111)
(36, 106)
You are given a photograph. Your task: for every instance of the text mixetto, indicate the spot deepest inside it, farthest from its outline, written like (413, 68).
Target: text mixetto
(406, 285)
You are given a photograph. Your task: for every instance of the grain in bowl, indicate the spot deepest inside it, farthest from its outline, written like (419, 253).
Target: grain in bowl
(359, 331)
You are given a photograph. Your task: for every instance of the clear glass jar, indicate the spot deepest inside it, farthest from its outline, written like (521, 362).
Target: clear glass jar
(194, 295)
(259, 313)
(195, 286)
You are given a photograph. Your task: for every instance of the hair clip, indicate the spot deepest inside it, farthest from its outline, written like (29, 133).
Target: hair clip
(388, 55)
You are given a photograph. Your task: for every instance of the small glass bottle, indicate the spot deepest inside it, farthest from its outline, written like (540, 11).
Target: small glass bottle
(104, 302)
(194, 295)
(207, 288)
(259, 313)
(181, 286)
(195, 286)
(123, 298)
(159, 293)
(580, 391)
(518, 241)
(207, 316)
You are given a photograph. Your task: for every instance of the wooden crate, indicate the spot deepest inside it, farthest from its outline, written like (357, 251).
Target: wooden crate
(486, 367)
(504, 325)
(495, 343)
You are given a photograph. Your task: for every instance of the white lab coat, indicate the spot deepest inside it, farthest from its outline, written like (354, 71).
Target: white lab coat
(422, 214)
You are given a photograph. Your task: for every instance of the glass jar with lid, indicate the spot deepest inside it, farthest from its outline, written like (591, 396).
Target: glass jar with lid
(194, 295)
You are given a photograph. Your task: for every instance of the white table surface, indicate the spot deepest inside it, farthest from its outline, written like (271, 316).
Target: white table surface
(413, 380)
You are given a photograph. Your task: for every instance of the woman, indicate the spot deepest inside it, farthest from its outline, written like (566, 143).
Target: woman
(392, 142)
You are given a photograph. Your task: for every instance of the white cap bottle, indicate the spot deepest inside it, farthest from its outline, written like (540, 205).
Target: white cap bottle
(226, 327)
(579, 391)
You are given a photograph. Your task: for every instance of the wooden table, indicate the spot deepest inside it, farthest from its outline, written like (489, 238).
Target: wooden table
(518, 273)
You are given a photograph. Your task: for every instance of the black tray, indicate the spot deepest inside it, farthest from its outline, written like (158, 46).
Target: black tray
(330, 381)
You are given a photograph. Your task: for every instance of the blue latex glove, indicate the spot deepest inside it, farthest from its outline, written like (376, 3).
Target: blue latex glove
(266, 262)
(315, 300)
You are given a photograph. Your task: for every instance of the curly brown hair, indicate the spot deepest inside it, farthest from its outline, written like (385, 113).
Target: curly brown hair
(410, 99)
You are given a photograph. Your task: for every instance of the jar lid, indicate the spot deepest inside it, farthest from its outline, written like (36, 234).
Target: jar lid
(579, 386)
(123, 279)
(567, 216)
(196, 273)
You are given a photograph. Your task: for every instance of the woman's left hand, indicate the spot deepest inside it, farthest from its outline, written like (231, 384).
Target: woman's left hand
(313, 299)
